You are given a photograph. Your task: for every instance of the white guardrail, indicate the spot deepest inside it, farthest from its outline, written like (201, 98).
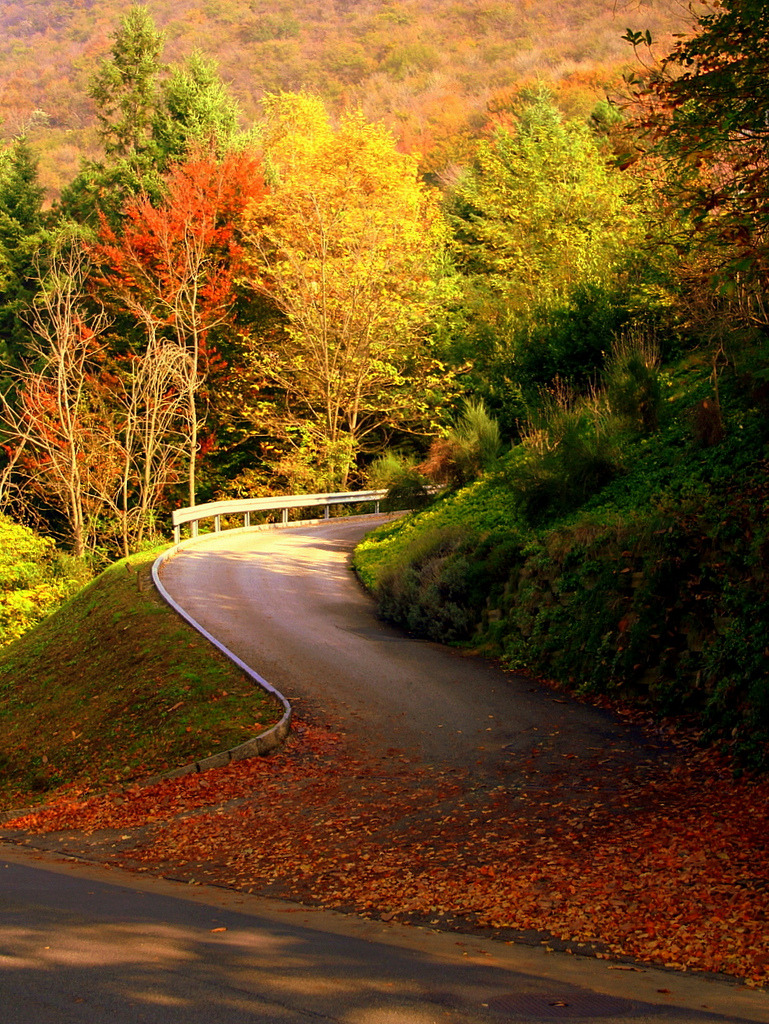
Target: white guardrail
(280, 502)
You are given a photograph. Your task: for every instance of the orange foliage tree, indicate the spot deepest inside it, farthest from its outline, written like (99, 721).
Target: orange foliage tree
(173, 265)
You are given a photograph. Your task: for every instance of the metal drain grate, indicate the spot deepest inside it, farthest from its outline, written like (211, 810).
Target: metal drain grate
(566, 1006)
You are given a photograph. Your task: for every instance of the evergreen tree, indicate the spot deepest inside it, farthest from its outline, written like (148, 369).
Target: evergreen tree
(125, 88)
(21, 232)
(148, 120)
(195, 109)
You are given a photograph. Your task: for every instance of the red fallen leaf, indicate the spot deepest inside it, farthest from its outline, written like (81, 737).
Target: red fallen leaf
(685, 840)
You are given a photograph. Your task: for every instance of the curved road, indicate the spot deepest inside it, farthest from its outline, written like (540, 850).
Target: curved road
(82, 944)
(286, 602)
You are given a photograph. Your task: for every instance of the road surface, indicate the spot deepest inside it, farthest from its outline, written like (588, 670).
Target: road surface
(287, 604)
(87, 945)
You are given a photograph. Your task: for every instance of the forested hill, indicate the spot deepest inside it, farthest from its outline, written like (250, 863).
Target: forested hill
(428, 68)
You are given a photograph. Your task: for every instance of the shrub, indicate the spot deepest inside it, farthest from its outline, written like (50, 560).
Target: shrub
(471, 448)
(34, 578)
(406, 487)
(569, 451)
(424, 589)
(632, 382)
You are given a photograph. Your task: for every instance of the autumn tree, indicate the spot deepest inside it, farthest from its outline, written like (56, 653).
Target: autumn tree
(344, 243)
(704, 109)
(150, 399)
(172, 266)
(55, 420)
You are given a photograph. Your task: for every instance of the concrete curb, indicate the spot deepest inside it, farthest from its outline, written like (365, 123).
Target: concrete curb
(265, 742)
(269, 740)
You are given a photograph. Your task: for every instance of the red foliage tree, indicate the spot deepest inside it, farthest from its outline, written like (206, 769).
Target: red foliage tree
(174, 264)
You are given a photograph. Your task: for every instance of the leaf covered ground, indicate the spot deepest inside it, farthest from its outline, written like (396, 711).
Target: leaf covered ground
(665, 863)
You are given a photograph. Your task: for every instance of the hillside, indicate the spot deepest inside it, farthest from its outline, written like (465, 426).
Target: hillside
(653, 591)
(112, 687)
(429, 68)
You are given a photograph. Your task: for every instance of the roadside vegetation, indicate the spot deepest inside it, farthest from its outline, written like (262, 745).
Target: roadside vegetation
(651, 590)
(113, 687)
(620, 546)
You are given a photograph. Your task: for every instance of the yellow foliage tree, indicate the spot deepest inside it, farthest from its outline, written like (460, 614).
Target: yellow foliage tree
(345, 244)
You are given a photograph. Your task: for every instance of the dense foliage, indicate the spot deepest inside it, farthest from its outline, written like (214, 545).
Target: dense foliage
(34, 579)
(631, 558)
(654, 591)
(429, 68)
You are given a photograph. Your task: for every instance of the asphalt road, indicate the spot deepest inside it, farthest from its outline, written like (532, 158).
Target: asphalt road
(288, 605)
(82, 944)
(87, 945)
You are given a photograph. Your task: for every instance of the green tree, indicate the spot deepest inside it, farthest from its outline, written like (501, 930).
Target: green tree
(149, 117)
(195, 108)
(541, 210)
(344, 243)
(125, 90)
(125, 87)
(21, 224)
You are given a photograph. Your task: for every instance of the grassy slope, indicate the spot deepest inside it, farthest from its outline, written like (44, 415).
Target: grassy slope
(654, 592)
(114, 686)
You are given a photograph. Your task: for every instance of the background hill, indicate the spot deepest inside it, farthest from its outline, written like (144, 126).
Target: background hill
(431, 69)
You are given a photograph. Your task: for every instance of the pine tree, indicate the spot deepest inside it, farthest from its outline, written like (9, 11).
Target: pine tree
(195, 108)
(125, 88)
(21, 227)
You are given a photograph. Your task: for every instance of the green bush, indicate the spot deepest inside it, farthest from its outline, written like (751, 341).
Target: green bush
(652, 587)
(569, 451)
(407, 488)
(34, 578)
(471, 448)
(632, 381)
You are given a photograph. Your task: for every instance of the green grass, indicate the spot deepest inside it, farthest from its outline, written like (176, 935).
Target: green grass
(114, 687)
